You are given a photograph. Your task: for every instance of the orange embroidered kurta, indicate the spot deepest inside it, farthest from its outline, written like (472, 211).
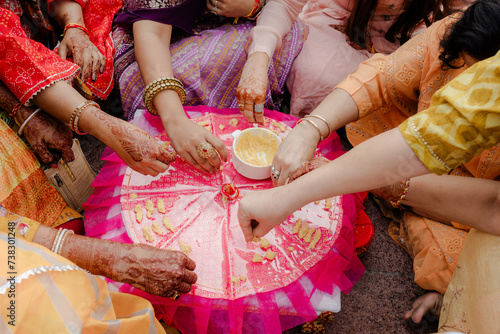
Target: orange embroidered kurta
(389, 89)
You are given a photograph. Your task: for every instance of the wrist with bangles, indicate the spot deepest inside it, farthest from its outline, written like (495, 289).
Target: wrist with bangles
(159, 85)
(75, 25)
(77, 114)
(310, 121)
(60, 239)
(23, 125)
(398, 204)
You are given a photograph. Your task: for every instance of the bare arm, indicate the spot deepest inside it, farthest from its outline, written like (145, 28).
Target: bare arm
(382, 160)
(184, 134)
(338, 109)
(465, 200)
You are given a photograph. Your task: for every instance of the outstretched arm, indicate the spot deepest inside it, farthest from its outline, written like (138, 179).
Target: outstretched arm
(134, 146)
(372, 164)
(382, 160)
(157, 271)
(183, 133)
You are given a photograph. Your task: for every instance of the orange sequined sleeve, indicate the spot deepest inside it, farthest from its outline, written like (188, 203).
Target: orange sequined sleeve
(396, 80)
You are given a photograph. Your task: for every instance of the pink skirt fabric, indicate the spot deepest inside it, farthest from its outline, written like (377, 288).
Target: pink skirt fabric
(326, 57)
(276, 294)
(317, 70)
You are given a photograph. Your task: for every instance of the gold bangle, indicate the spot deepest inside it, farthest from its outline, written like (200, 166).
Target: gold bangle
(330, 130)
(313, 124)
(159, 85)
(75, 116)
(397, 204)
(151, 93)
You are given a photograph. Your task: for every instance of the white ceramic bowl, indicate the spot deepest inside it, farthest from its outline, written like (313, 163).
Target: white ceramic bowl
(257, 169)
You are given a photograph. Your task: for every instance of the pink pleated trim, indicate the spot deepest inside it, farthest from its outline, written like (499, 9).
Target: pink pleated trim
(259, 313)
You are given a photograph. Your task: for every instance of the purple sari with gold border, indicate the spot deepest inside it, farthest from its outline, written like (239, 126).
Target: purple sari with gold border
(208, 54)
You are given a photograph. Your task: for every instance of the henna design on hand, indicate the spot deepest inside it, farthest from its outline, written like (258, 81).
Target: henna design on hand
(44, 131)
(156, 271)
(138, 144)
(76, 43)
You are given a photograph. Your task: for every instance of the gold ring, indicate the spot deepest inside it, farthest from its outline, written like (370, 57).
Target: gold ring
(176, 295)
(205, 150)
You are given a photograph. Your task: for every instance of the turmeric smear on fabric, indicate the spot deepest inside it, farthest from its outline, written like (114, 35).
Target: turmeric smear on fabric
(256, 149)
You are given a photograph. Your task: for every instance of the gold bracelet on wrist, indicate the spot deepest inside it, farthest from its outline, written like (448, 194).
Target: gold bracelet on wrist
(397, 204)
(77, 113)
(159, 85)
(330, 129)
(313, 124)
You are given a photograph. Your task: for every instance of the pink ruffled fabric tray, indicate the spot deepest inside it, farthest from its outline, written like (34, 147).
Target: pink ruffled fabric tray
(233, 293)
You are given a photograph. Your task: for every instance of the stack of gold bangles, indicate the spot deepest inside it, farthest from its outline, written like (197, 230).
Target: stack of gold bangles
(77, 113)
(330, 129)
(157, 86)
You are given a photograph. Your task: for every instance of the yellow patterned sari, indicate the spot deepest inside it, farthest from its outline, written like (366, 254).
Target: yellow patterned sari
(42, 292)
(24, 188)
(463, 120)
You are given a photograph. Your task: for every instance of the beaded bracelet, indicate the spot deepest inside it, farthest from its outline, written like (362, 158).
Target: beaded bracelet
(77, 113)
(397, 204)
(330, 129)
(21, 128)
(313, 124)
(75, 25)
(159, 85)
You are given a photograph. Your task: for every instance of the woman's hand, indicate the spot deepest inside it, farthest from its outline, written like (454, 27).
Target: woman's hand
(134, 146)
(260, 211)
(297, 148)
(251, 90)
(157, 271)
(231, 8)
(185, 137)
(43, 132)
(76, 43)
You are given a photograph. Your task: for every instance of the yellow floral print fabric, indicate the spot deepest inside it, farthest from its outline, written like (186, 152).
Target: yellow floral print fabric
(462, 121)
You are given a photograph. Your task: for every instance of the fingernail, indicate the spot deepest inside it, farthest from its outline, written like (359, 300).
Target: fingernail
(94, 77)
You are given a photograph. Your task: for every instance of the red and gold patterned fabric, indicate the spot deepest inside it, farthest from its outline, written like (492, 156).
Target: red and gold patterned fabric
(27, 67)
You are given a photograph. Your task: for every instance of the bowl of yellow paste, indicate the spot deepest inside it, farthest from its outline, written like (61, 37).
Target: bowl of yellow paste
(253, 152)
